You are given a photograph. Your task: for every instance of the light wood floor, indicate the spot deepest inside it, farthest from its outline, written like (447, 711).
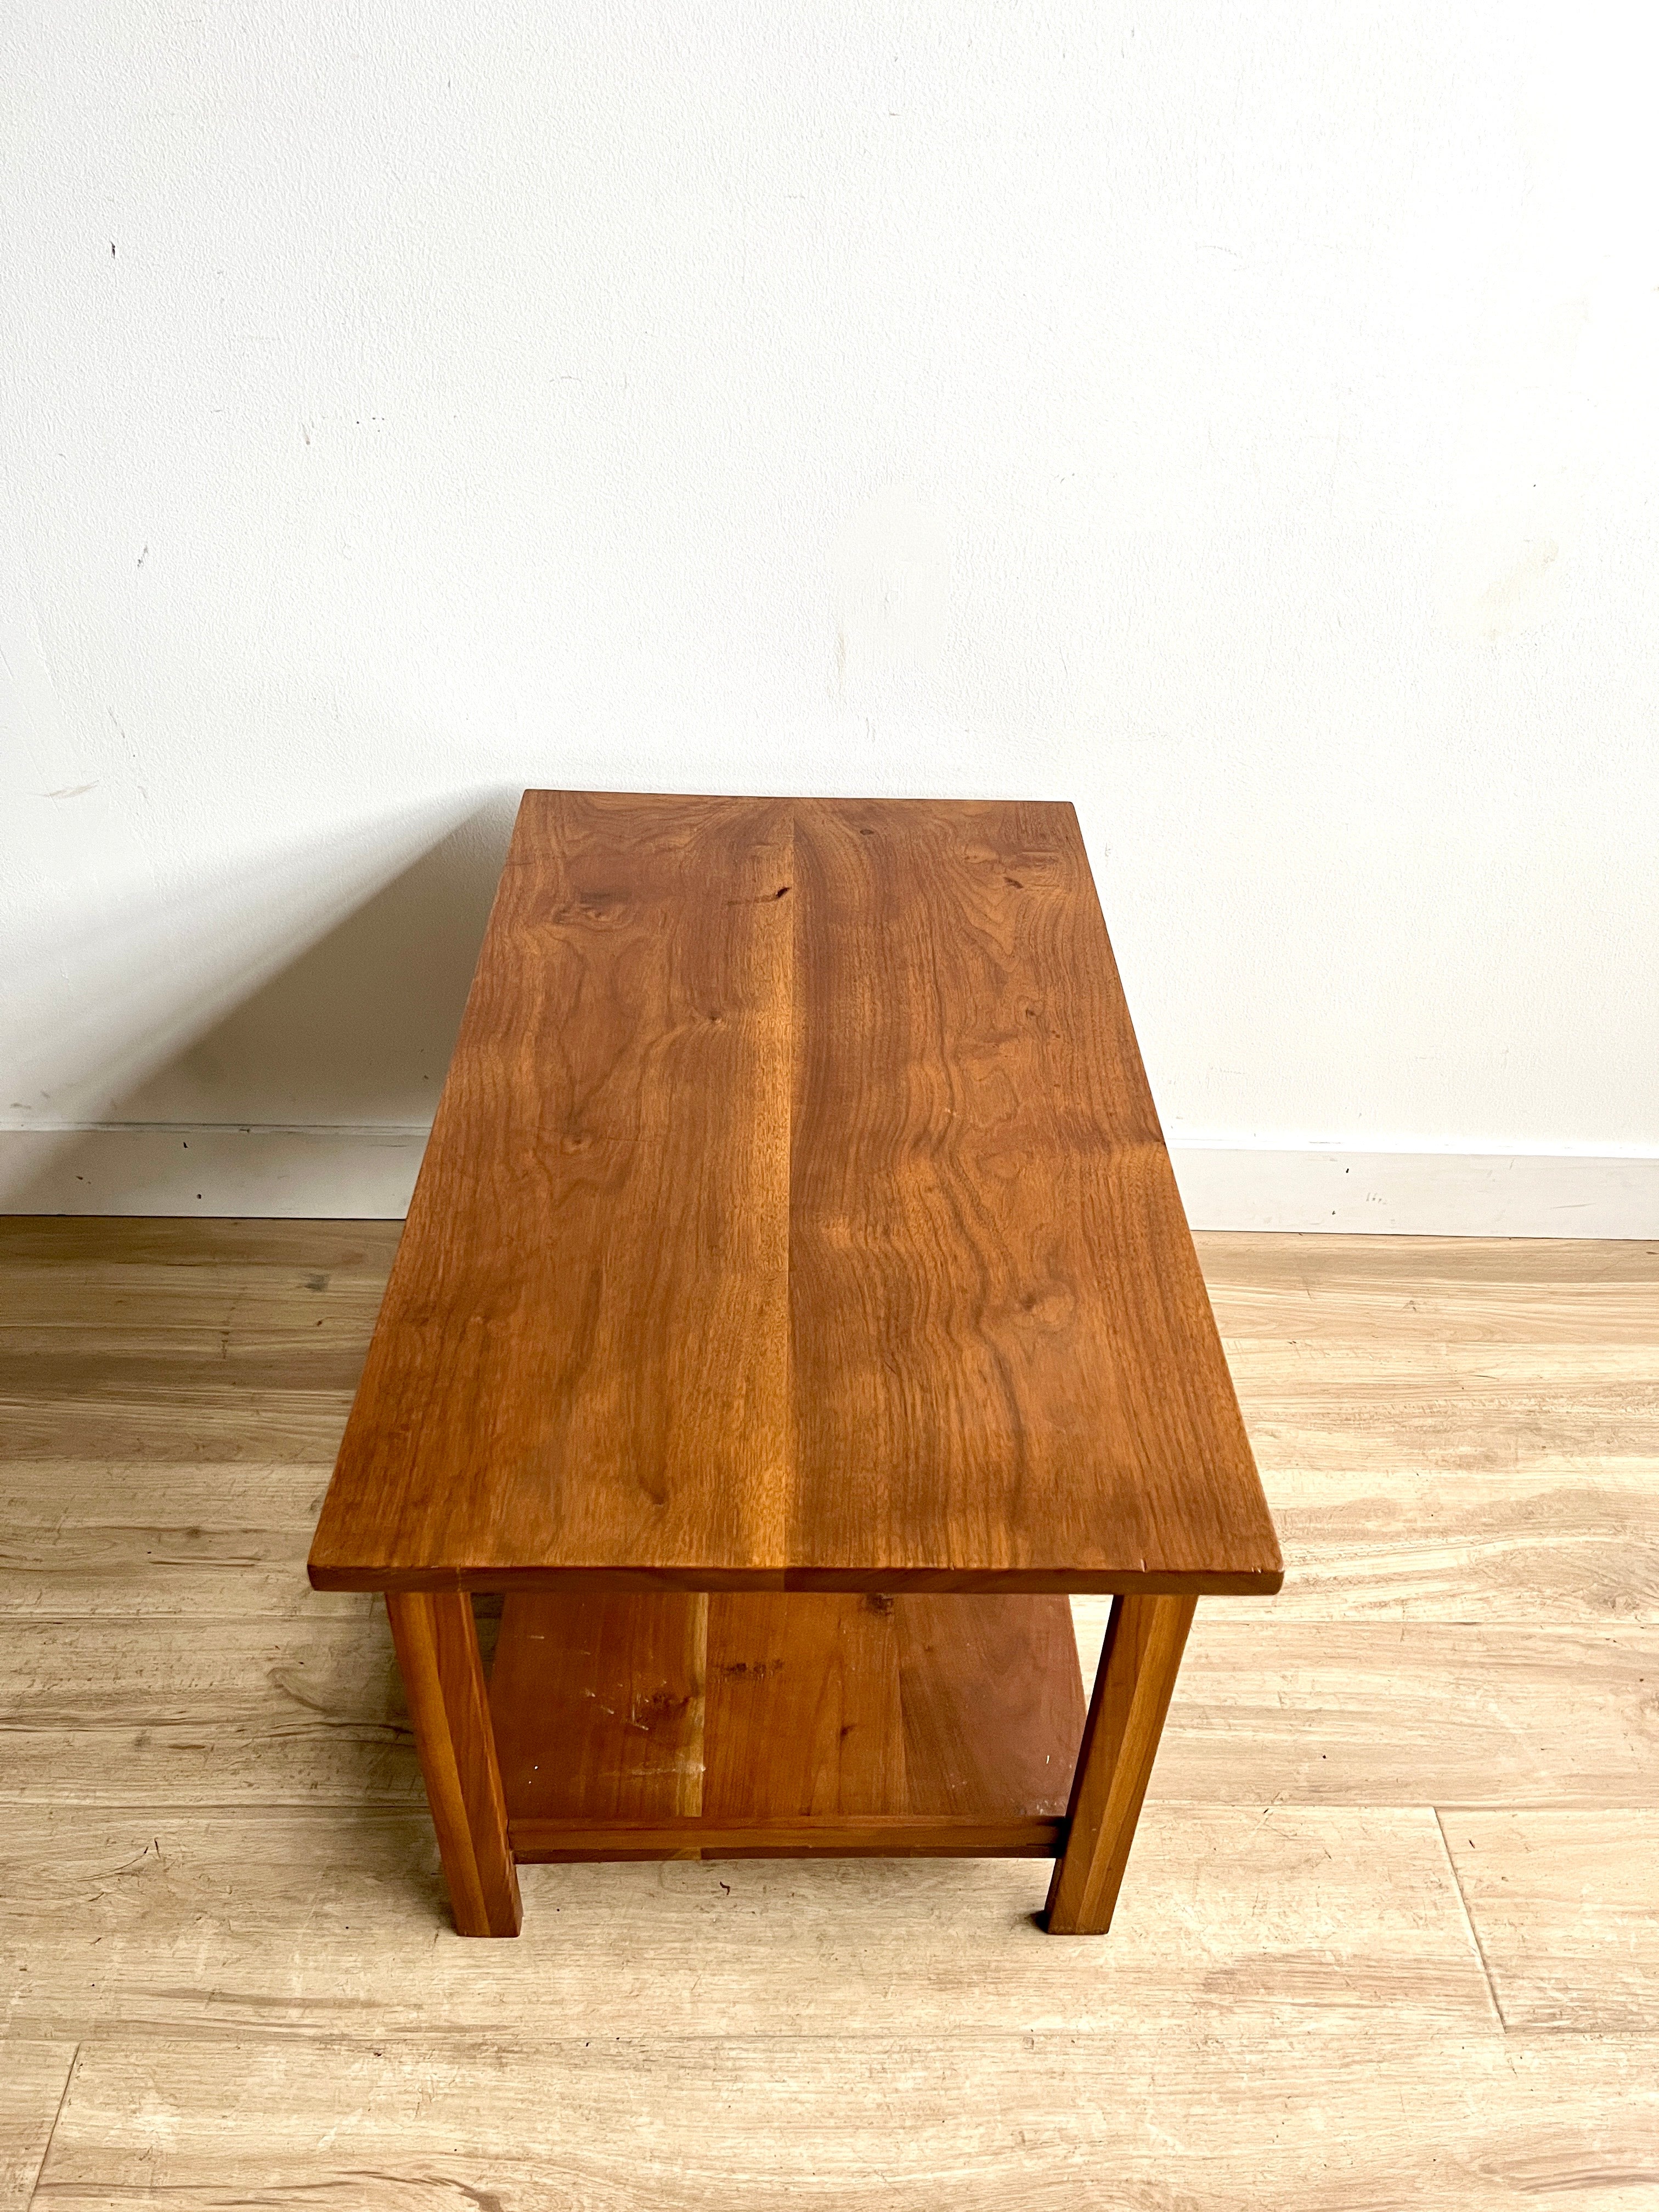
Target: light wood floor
(1390, 1934)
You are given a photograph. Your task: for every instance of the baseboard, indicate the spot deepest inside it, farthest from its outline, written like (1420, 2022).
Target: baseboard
(1418, 1192)
(250, 1172)
(351, 1174)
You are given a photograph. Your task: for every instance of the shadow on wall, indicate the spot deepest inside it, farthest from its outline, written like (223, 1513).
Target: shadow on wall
(315, 990)
(359, 1027)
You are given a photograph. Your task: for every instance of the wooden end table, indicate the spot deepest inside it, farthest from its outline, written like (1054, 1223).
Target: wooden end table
(794, 1305)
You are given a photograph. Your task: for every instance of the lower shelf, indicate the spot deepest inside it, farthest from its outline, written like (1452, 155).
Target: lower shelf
(675, 1726)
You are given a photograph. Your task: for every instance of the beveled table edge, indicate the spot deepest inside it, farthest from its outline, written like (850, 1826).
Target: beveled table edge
(974, 1582)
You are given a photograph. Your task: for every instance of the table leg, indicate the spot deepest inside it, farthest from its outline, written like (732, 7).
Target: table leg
(437, 1646)
(1145, 1638)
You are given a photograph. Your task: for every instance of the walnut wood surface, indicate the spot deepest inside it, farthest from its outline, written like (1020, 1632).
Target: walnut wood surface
(1136, 1679)
(676, 1726)
(438, 1658)
(598, 1705)
(796, 1216)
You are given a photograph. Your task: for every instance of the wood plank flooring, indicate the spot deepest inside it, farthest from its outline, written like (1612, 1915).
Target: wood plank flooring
(1387, 1936)
(320, 1921)
(32, 2078)
(1567, 1904)
(953, 2123)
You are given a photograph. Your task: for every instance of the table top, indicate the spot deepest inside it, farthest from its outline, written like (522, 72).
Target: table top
(796, 1216)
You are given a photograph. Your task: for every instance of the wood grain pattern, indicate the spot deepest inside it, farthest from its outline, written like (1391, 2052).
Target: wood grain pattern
(581, 1358)
(669, 1725)
(188, 1285)
(32, 2078)
(1003, 1357)
(438, 1658)
(1500, 1357)
(1405, 1480)
(1405, 1712)
(1383, 2117)
(820, 1835)
(183, 1339)
(1415, 1712)
(79, 1538)
(1428, 1296)
(992, 1700)
(1575, 1546)
(1451, 1429)
(598, 1706)
(320, 1921)
(796, 1216)
(179, 1711)
(952, 1708)
(1136, 1679)
(1565, 1907)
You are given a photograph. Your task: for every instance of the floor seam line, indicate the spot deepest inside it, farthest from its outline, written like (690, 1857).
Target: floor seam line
(52, 2132)
(1468, 1922)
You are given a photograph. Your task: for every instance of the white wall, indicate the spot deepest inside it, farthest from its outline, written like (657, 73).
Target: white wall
(1240, 420)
